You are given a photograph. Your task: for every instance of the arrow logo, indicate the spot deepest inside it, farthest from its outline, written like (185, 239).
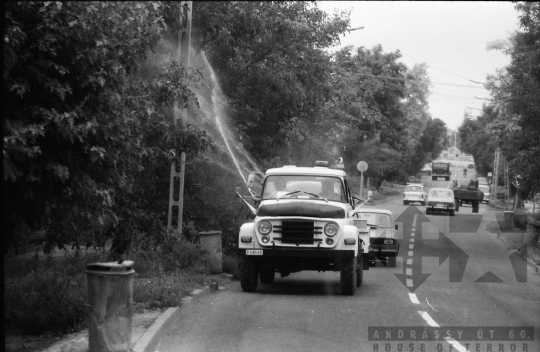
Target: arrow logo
(414, 248)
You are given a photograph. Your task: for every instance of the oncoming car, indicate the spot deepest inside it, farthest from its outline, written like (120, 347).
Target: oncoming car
(383, 244)
(414, 193)
(440, 199)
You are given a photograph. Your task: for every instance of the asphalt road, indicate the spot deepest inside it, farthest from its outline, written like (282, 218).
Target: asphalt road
(451, 275)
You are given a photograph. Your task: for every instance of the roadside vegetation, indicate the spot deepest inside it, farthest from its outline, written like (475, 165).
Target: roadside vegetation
(89, 132)
(510, 122)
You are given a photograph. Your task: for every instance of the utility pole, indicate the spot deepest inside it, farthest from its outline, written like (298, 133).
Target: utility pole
(179, 165)
(495, 182)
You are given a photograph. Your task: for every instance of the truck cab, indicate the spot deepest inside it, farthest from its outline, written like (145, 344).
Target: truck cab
(439, 169)
(305, 219)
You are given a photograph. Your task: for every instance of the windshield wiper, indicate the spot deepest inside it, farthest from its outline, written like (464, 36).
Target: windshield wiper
(287, 194)
(311, 194)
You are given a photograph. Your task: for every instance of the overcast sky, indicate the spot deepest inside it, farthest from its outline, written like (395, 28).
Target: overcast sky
(450, 37)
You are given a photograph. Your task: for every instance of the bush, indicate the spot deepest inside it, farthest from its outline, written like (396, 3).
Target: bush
(47, 295)
(520, 219)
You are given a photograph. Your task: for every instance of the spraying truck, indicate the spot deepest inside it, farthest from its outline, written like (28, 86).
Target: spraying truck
(305, 218)
(439, 169)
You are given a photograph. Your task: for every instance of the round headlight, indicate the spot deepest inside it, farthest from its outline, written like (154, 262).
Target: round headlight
(331, 229)
(265, 228)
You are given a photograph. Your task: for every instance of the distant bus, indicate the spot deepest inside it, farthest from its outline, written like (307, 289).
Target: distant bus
(440, 170)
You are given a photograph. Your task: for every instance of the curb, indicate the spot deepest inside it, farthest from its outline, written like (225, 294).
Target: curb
(153, 334)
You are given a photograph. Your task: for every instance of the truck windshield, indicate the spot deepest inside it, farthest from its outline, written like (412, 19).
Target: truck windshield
(326, 187)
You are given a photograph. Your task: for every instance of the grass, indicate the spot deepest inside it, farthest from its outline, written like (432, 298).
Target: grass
(49, 295)
(514, 234)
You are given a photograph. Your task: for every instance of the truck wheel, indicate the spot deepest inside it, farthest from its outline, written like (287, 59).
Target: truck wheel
(360, 270)
(348, 277)
(391, 262)
(452, 213)
(359, 276)
(248, 275)
(434, 178)
(457, 206)
(267, 276)
(423, 203)
(427, 211)
(405, 202)
(475, 207)
(447, 179)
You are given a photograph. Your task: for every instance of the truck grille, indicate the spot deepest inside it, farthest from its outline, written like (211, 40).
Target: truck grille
(298, 232)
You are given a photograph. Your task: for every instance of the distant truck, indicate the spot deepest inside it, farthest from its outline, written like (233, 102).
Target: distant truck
(440, 170)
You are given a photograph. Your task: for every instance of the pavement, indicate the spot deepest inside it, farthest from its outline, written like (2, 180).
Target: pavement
(146, 330)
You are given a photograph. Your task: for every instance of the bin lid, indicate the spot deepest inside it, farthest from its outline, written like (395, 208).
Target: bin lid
(123, 267)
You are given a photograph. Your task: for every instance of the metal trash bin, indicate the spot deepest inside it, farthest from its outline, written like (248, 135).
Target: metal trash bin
(210, 241)
(110, 299)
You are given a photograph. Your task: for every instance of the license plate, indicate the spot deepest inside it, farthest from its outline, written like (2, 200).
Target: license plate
(254, 252)
(440, 206)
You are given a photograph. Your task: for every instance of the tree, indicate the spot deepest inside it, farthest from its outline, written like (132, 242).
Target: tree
(83, 124)
(515, 92)
(272, 67)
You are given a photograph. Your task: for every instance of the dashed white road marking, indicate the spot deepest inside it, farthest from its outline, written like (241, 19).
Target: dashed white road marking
(428, 319)
(412, 234)
(413, 298)
(412, 240)
(411, 246)
(408, 272)
(410, 254)
(409, 282)
(459, 347)
(409, 261)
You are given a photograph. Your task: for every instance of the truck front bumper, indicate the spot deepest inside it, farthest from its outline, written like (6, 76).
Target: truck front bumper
(297, 253)
(383, 250)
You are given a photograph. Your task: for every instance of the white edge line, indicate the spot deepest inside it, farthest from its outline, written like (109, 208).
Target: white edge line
(413, 298)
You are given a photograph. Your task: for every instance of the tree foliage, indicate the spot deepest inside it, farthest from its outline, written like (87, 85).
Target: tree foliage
(515, 92)
(85, 130)
(90, 90)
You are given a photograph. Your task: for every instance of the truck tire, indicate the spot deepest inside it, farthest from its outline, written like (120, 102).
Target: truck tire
(248, 275)
(359, 276)
(452, 213)
(447, 178)
(475, 207)
(267, 276)
(391, 262)
(457, 205)
(433, 178)
(348, 277)
(405, 202)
